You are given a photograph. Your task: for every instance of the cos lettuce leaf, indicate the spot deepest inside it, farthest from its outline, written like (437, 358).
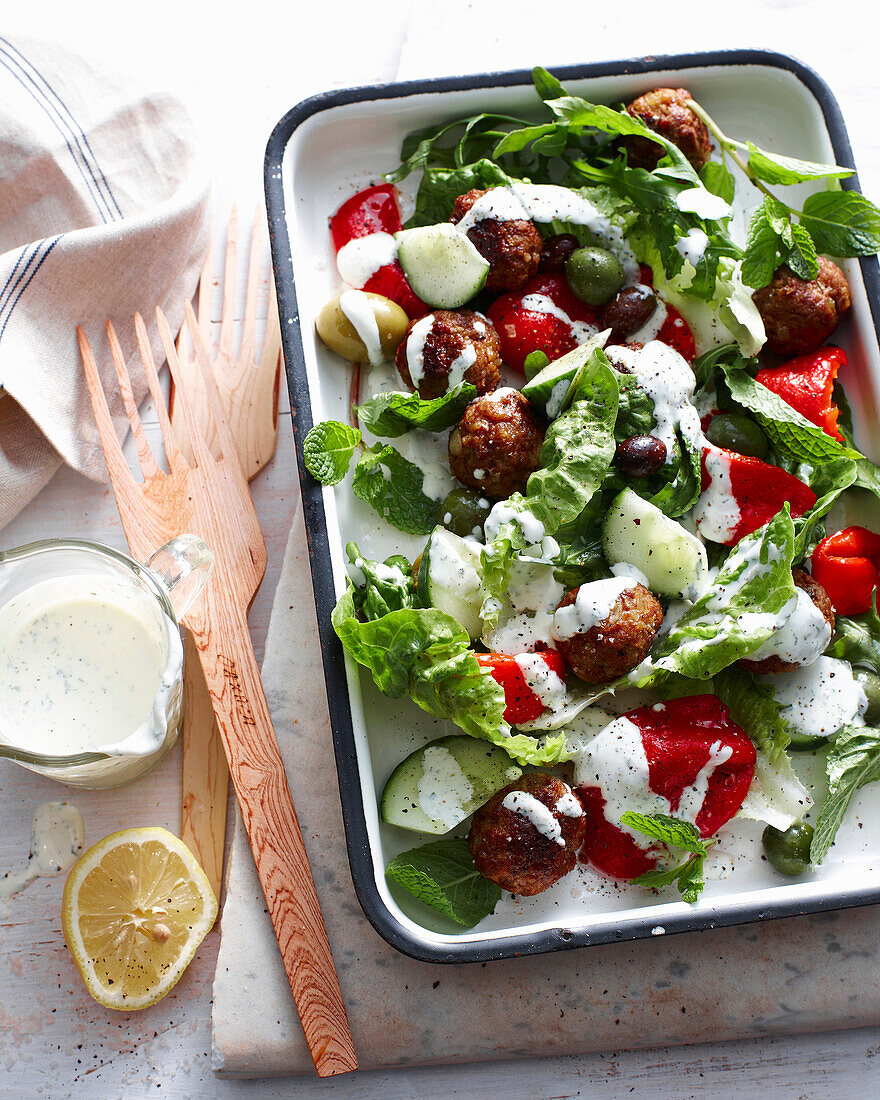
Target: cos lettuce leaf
(425, 654)
(753, 706)
(381, 586)
(739, 611)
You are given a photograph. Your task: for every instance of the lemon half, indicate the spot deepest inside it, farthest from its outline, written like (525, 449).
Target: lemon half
(136, 906)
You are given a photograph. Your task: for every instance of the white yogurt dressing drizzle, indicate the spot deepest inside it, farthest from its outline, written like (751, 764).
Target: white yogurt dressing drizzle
(57, 835)
(700, 201)
(692, 246)
(591, 606)
(803, 635)
(356, 307)
(523, 633)
(716, 515)
(541, 303)
(693, 797)
(820, 698)
(542, 680)
(534, 810)
(443, 788)
(361, 258)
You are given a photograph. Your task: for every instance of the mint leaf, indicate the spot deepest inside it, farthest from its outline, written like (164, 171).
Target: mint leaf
(762, 255)
(546, 84)
(327, 450)
(775, 168)
(842, 223)
(719, 180)
(394, 413)
(801, 254)
(853, 760)
(442, 875)
(789, 431)
(396, 495)
(828, 481)
(668, 830)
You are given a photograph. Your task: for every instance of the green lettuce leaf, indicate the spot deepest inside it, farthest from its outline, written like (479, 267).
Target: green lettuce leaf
(442, 874)
(387, 586)
(738, 612)
(857, 640)
(392, 414)
(753, 706)
(853, 760)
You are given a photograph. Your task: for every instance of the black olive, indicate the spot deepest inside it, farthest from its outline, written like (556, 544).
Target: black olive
(640, 455)
(627, 312)
(556, 251)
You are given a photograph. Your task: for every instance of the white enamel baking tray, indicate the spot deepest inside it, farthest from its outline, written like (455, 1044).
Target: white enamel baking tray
(320, 153)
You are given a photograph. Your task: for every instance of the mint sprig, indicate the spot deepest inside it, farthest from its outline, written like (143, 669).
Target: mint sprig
(393, 486)
(853, 760)
(327, 450)
(393, 413)
(442, 875)
(674, 833)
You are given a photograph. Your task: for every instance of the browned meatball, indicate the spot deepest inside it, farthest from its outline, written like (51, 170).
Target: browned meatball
(627, 311)
(512, 247)
(509, 849)
(772, 666)
(665, 110)
(496, 444)
(798, 315)
(618, 643)
(434, 343)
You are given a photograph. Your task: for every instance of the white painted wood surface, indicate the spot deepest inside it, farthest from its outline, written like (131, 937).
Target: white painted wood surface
(240, 69)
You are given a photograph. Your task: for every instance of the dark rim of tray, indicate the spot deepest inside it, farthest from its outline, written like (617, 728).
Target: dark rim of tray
(359, 850)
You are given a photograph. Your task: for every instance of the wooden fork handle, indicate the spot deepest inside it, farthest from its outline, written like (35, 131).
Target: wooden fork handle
(260, 782)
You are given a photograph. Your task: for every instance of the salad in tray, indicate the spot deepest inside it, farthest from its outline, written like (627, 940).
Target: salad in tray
(616, 425)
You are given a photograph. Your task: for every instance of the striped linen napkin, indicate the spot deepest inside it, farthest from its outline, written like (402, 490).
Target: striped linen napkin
(103, 212)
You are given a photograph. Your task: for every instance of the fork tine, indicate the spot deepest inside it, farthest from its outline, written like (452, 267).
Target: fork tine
(227, 321)
(149, 466)
(221, 425)
(198, 444)
(116, 464)
(247, 353)
(172, 451)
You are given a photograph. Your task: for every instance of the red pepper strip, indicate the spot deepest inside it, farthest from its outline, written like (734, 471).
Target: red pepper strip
(676, 332)
(807, 384)
(523, 330)
(521, 703)
(375, 210)
(760, 490)
(847, 565)
(678, 742)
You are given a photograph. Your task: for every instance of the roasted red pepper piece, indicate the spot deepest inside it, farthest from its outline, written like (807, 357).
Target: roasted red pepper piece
(675, 331)
(523, 330)
(759, 490)
(807, 384)
(847, 565)
(375, 210)
(678, 742)
(521, 703)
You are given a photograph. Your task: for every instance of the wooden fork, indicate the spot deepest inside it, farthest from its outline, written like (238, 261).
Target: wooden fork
(248, 388)
(210, 498)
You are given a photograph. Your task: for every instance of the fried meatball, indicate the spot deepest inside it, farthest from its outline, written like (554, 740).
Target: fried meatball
(665, 110)
(527, 835)
(512, 247)
(798, 315)
(438, 347)
(627, 311)
(615, 645)
(772, 666)
(496, 444)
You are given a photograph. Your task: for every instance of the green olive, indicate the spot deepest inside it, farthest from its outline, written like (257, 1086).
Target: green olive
(594, 275)
(735, 432)
(464, 511)
(789, 852)
(870, 683)
(340, 335)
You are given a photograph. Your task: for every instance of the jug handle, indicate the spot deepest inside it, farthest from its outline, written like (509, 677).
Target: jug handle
(183, 566)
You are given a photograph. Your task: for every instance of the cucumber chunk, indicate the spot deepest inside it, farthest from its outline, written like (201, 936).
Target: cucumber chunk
(551, 387)
(450, 578)
(638, 533)
(442, 265)
(436, 787)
